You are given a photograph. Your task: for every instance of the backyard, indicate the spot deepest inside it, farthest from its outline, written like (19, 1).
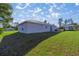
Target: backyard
(65, 43)
(5, 33)
(40, 44)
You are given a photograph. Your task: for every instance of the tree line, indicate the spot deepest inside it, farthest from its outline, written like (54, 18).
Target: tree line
(65, 22)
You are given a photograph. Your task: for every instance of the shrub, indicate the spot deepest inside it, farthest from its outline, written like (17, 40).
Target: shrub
(1, 30)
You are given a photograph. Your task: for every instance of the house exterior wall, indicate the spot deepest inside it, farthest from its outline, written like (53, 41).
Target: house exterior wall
(54, 28)
(66, 27)
(69, 28)
(34, 28)
(22, 28)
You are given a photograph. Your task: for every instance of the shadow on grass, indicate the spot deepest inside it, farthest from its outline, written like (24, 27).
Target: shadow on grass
(19, 44)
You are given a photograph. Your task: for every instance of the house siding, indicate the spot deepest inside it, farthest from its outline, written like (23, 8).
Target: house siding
(22, 28)
(53, 28)
(34, 28)
(68, 27)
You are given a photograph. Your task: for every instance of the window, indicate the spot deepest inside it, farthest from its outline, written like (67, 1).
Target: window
(56, 30)
(22, 29)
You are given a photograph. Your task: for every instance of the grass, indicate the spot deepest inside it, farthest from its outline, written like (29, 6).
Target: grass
(65, 43)
(5, 33)
(20, 43)
(40, 44)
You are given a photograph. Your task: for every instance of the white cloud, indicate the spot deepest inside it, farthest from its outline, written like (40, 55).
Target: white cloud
(63, 5)
(34, 12)
(66, 12)
(54, 5)
(21, 15)
(37, 10)
(42, 13)
(55, 14)
(77, 4)
(78, 11)
(50, 9)
(13, 14)
(22, 7)
(49, 16)
(58, 8)
(71, 11)
(30, 11)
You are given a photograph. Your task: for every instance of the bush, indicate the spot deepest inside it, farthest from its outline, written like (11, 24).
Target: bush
(1, 30)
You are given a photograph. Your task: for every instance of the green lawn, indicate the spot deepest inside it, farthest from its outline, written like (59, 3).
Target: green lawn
(15, 43)
(5, 33)
(65, 43)
(40, 44)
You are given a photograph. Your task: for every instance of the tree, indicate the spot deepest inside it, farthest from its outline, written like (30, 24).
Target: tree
(71, 21)
(76, 26)
(1, 27)
(68, 21)
(45, 21)
(60, 22)
(5, 13)
(65, 22)
(15, 25)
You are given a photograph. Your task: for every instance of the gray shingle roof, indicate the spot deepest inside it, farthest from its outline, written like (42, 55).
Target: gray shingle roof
(34, 21)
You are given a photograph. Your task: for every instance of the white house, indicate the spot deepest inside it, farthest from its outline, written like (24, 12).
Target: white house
(33, 26)
(69, 27)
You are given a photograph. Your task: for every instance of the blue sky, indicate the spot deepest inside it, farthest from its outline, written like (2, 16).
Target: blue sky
(45, 11)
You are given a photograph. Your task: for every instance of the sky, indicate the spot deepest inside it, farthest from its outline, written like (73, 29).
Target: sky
(45, 11)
